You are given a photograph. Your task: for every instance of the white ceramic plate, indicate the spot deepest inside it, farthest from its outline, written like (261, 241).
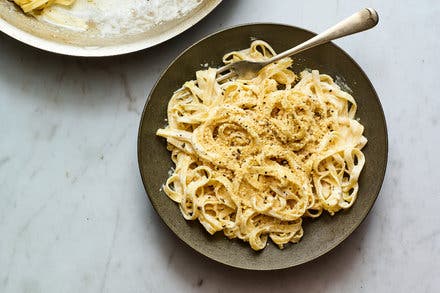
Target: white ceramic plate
(105, 27)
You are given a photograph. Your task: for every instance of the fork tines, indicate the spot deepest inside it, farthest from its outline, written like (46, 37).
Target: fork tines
(227, 68)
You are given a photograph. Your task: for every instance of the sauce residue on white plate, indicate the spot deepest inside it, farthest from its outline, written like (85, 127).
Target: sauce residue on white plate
(113, 17)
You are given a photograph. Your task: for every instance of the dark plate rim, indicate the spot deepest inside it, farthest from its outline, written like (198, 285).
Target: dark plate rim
(350, 232)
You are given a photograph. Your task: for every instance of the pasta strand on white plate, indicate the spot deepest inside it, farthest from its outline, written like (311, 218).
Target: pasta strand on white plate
(254, 157)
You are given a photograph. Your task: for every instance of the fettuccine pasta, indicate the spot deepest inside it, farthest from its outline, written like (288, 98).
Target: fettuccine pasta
(254, 157)
(37, 6)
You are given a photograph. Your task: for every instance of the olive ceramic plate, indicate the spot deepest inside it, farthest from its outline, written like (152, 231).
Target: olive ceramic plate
(320, 235)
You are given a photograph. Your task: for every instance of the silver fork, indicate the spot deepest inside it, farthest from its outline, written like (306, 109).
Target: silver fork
(363, 20)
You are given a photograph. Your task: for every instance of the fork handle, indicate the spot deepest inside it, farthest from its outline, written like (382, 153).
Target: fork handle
(363, 20)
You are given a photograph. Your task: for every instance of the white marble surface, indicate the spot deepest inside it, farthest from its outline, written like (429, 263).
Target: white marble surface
(73, 212)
